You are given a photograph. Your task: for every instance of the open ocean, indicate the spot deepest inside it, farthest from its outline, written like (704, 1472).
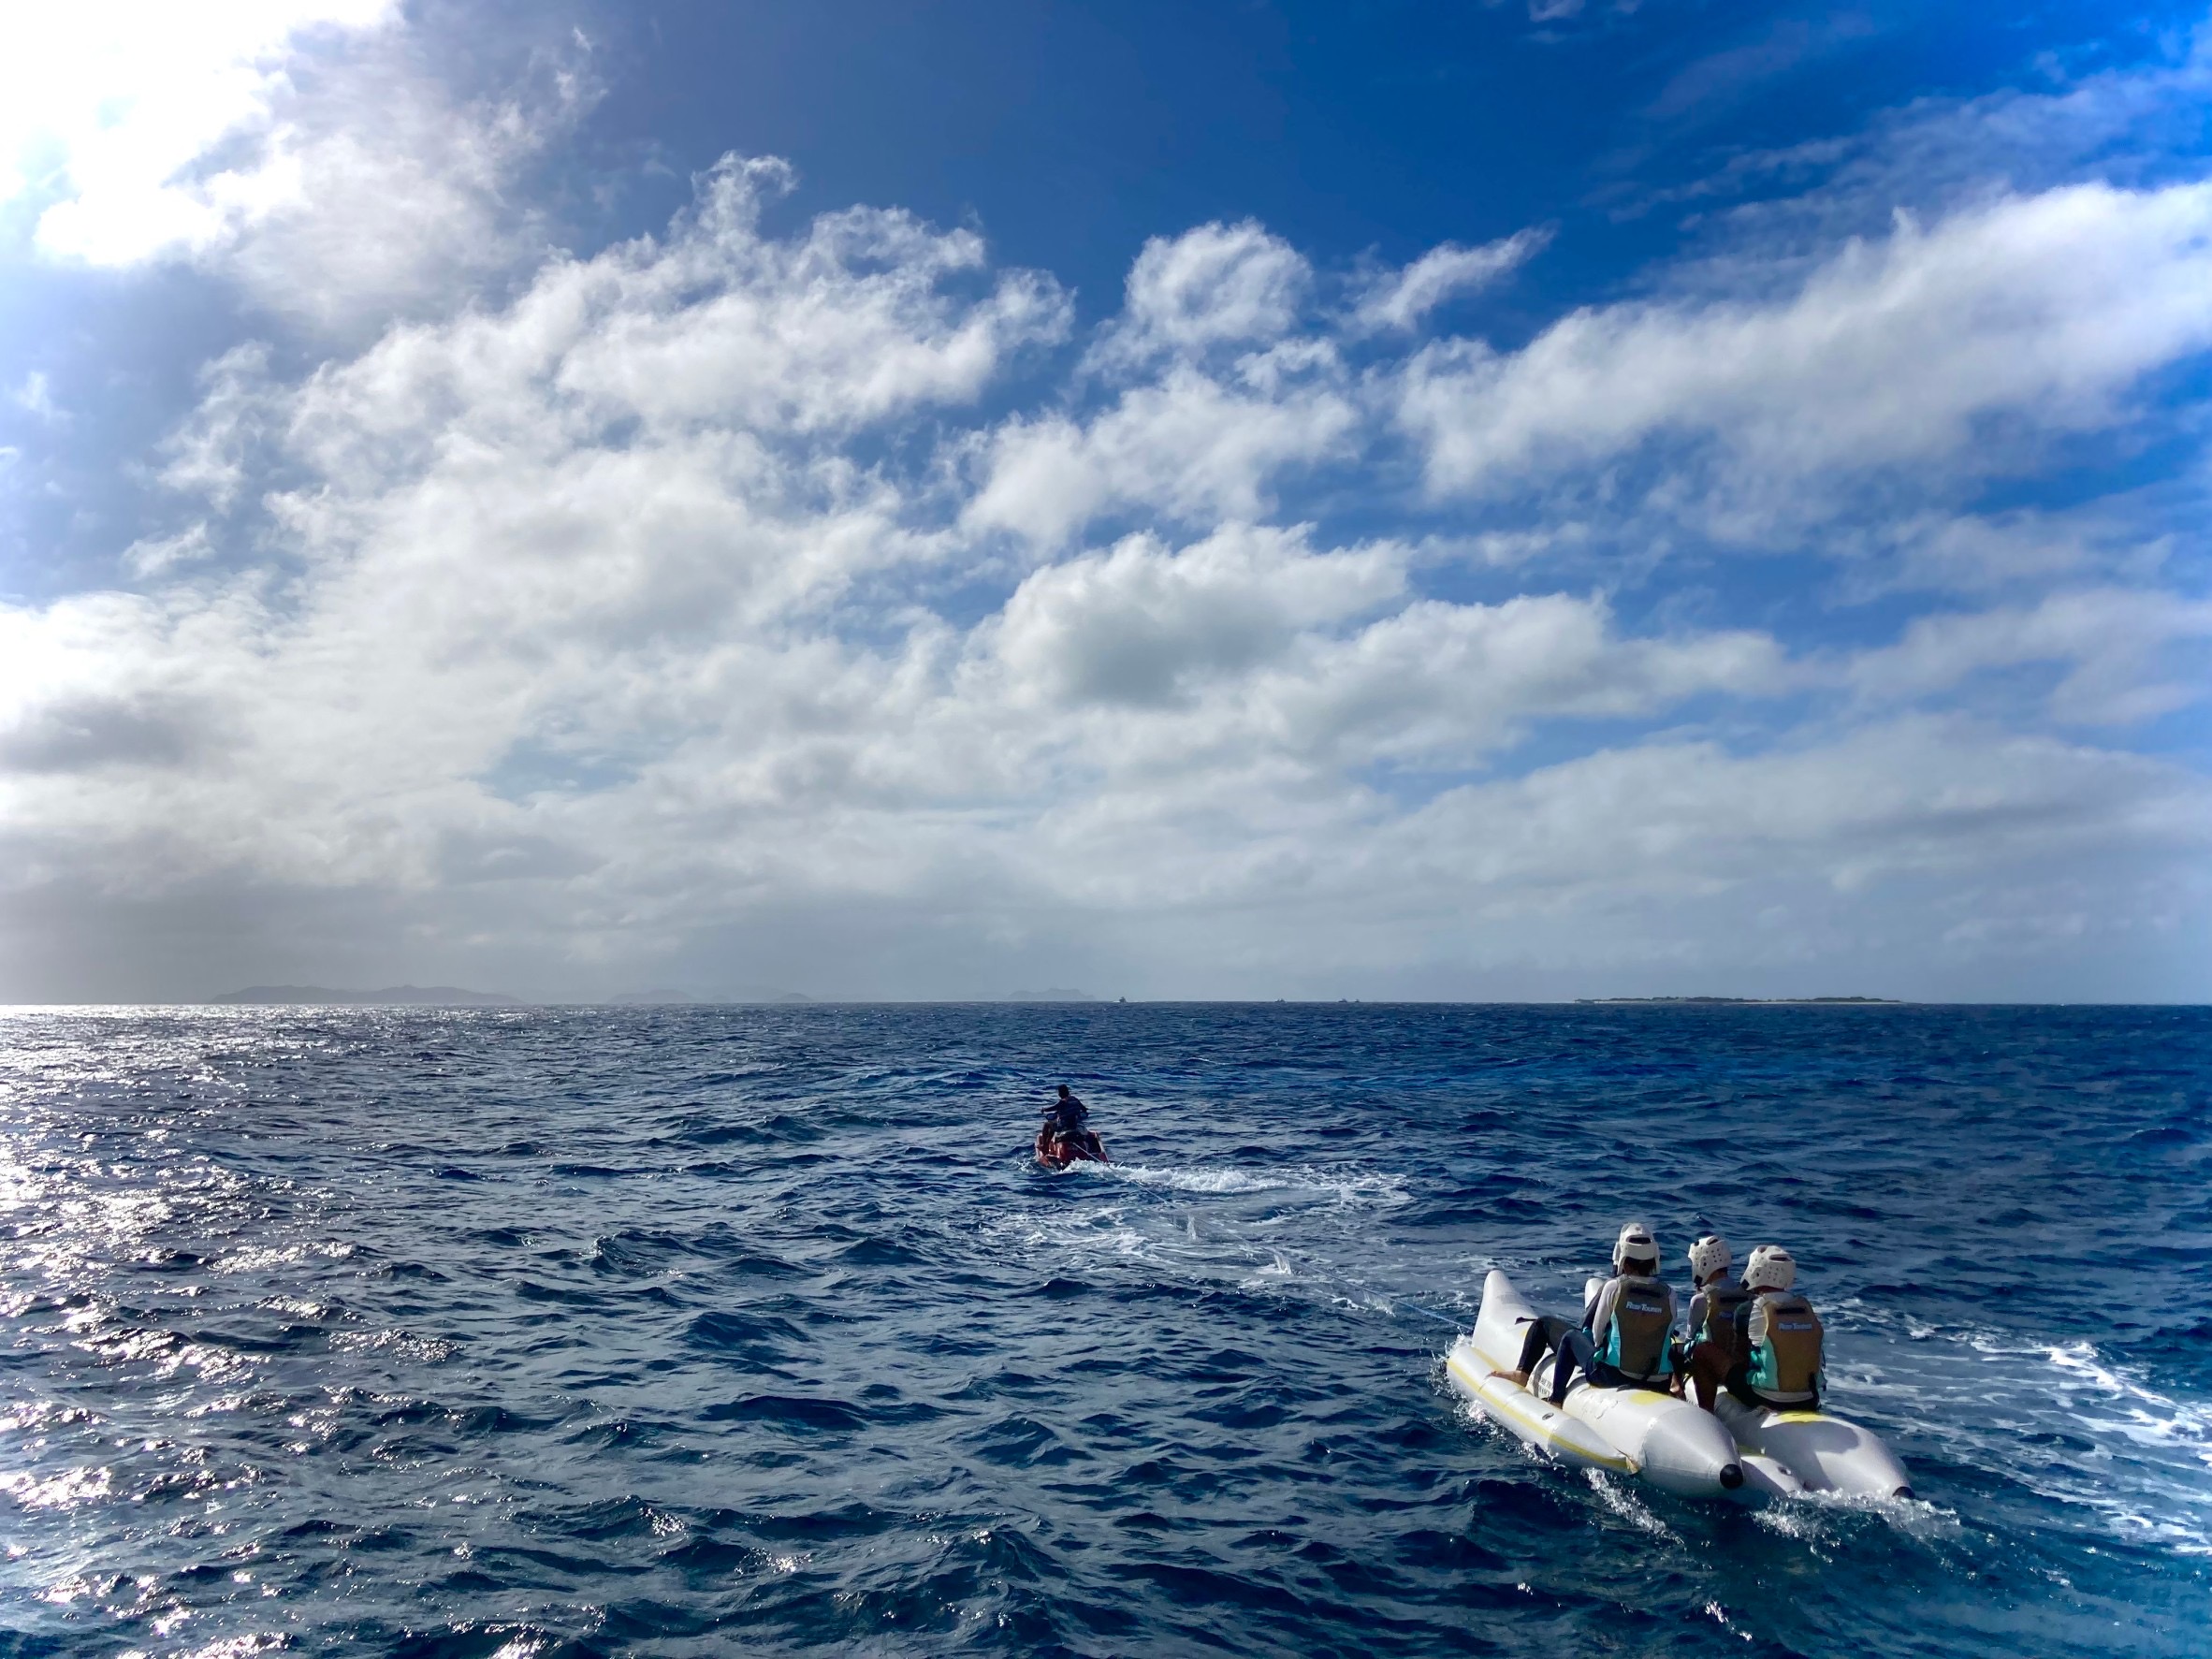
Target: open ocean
(695, 1330)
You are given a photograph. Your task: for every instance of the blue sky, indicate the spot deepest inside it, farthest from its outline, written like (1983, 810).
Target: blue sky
(1267, 499)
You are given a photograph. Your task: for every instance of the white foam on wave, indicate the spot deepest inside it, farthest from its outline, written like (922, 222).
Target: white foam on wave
(1157, 1217)
(1099, 1234)
(1093, 1230)
(2061, 1418)
(1811, 1518)
(1348, 1187)
(1719, 1615)
(1627, 1506)
(2148, 1417)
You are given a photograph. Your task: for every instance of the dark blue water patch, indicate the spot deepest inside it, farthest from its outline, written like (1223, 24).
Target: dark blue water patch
(757, 1328)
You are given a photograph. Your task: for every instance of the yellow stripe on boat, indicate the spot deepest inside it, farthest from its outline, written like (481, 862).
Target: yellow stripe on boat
(1502, 1400)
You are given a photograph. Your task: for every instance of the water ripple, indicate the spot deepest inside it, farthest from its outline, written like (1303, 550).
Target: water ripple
(566, 1333)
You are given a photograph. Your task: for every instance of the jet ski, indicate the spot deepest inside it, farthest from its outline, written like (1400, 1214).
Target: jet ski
(1641, 1432)
(1057, 1149)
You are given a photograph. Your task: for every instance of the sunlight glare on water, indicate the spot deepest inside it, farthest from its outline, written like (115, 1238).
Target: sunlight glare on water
(573, 1332)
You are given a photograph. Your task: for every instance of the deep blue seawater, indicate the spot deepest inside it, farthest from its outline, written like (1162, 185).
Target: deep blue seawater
(702, 1331)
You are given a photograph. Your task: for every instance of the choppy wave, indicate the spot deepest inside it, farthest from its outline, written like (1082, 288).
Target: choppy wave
(2080, 1429)
(1348, 1187)
(367, 1332)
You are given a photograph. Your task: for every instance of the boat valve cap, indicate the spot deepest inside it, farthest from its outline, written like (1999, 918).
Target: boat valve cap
(1731, 1476)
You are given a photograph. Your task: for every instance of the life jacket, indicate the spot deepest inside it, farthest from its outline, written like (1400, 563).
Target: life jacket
(1638, 1337)
(1721, 1302)
(1067, 1116)
(1785, 1339)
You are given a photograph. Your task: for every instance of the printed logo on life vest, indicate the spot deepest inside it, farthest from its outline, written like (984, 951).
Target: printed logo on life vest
(1637, 1344)
(1785, 1357)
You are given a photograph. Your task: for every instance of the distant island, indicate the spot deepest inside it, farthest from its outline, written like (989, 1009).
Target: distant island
(390, 996)
(1052, 994)
(1600, 1001)
(744, 996)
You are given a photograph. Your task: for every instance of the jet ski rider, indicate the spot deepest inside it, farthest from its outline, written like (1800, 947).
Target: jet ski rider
(1709, 1352)
(1068, 1119)
(1777, 1361)
(1626, 1336)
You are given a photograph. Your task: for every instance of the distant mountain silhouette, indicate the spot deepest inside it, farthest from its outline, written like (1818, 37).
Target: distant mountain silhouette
(390, 996)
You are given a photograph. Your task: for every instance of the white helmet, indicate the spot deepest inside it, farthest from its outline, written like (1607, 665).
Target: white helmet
(1770, 1268)
(1636, 1243)
(1709, 1256)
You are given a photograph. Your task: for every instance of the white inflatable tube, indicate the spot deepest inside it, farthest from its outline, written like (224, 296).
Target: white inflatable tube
(1668, 1442)
(1764, 1477)
(1823, 1453)
(1787, 1454)
(1536, 1422)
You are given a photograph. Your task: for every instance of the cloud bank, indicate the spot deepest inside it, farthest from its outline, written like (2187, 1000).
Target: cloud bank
(814, 601)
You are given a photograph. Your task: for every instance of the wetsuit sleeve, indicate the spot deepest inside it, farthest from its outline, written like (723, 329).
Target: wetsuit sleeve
(1599, 1314)
(1696, 1324)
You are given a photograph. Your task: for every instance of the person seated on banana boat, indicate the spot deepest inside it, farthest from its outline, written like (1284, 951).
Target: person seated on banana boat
(1777, 1361)
(1626, 1339)
(1708, 1353)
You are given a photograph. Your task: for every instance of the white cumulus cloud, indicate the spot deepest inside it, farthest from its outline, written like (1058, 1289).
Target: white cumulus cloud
(2112, 643)
(822, 605)
(1220, 284)
(303, 148)
(1401, 298)
(109, 108)
(2032, 315)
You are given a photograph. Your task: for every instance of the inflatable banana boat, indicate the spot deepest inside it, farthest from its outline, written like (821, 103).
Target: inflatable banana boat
(1735, 1451)
(1667, 1442)
(1787, 1454)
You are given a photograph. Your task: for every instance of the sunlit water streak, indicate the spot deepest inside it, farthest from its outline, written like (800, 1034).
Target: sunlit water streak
(571, 1331)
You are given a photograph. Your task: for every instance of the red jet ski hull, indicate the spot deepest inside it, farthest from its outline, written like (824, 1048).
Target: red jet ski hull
(1056, 1152)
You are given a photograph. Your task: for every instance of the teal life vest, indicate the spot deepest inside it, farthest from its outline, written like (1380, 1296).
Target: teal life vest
(1639, 1338)
(1721, 1302)
(1785, 1348)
